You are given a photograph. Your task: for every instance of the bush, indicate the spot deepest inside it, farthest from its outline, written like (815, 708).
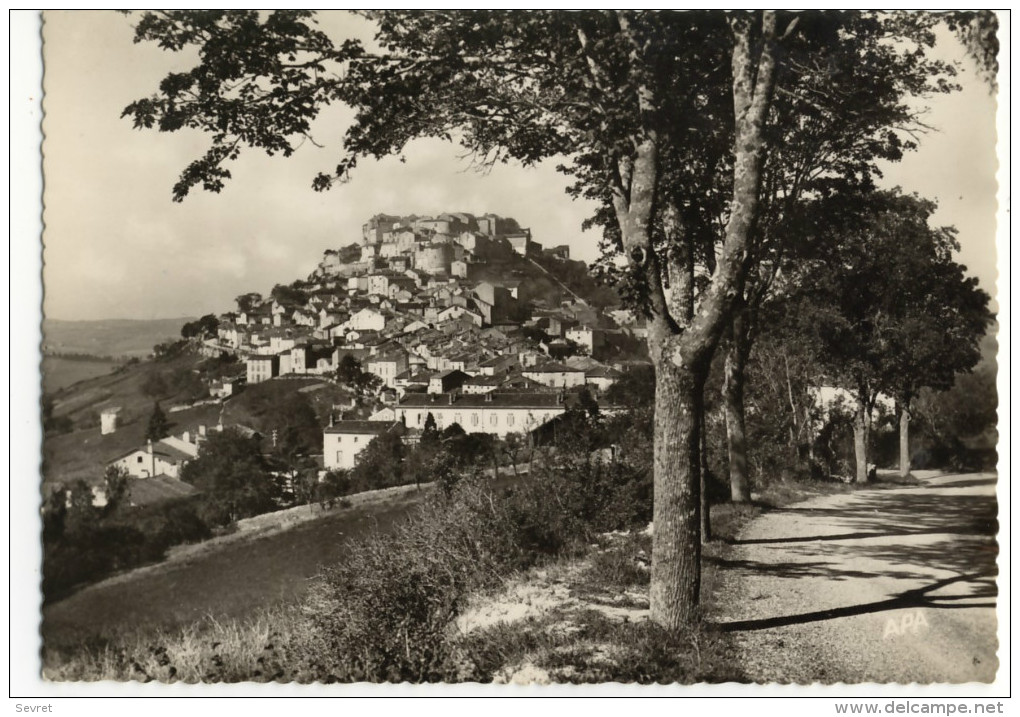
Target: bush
(385, 613)
(91, 552)
(84, 547)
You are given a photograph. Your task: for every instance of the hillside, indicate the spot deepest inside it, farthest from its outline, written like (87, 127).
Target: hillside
(83, 452)
(108, 337)
(59, 372)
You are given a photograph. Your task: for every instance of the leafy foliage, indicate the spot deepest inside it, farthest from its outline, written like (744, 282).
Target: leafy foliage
(202, 328)
(233, 476)
(248, 302)
(169, 350)
(292, 296)
(889, 308)
(159, 425)
(665, 120)
(350, 373)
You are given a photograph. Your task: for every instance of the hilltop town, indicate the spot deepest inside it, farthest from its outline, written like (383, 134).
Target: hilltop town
(452, 319)
(442, 313)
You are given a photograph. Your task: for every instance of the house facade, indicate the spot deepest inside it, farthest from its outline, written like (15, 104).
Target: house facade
(344, 440)
(387, 366)
(166, 457)
(262, 368)
(494, 413)
(555, 375)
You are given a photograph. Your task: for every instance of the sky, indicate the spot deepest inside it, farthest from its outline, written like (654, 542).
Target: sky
(116, 246)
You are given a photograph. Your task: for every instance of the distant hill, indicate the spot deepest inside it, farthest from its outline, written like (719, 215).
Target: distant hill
(109, 337)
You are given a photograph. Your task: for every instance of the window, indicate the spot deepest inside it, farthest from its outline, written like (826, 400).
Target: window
(355, 439)
(339, 457)
(456, 418)
(474, 419)
(510, 419)
(139, 459)
(493, 418)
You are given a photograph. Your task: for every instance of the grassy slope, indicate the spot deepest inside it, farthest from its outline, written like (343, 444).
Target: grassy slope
(234, 580)
(84, 452)
(59, 373)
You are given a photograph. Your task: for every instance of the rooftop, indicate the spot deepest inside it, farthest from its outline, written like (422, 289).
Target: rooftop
(489, 400)
(552, 367)
(374, 428)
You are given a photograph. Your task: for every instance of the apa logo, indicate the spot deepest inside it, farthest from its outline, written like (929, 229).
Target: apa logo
(908, 622)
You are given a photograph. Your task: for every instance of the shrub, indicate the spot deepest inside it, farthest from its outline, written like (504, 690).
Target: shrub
(385, 613)
(93, 551)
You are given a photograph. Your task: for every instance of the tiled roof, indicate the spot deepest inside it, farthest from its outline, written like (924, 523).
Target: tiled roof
(361, 427)
(484, 381)
(603, 372)
(489, 400)
(552, 367)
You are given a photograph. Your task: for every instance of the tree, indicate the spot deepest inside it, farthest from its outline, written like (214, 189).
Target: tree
(81, 511)
(296, 425)
(204, 327)
(978, 31)
(587, 403)
(233, 477)
(890, 309)
(841, 152)
(115, 486)
(248, 302)
(648, 108)
(350, 373)
(51, 423)
(380, 464)
(291, 296)
(159, 426)
(54, 515)
(168, 350)
(959, 425)
(429, 432)
(635, 388)
(513, 446)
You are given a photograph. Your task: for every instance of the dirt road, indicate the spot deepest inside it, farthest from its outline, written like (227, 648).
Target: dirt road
(885, 585)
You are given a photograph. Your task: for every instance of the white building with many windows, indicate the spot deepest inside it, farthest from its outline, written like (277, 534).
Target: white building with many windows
(495, 413)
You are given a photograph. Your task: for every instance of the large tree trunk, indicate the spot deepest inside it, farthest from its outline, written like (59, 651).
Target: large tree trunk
(904, 409)
(861, 443)
(676, 545)
(736, 436)
(681, 345)
(706, 508)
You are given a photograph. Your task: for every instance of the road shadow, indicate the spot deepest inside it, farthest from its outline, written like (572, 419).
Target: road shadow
(909, 535)
(921, 597)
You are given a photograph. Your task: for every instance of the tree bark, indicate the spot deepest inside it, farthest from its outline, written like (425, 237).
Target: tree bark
(681, 346)
(904, 409)
(706, 508)
(676, 544)
(861, 443)
(733, 402)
